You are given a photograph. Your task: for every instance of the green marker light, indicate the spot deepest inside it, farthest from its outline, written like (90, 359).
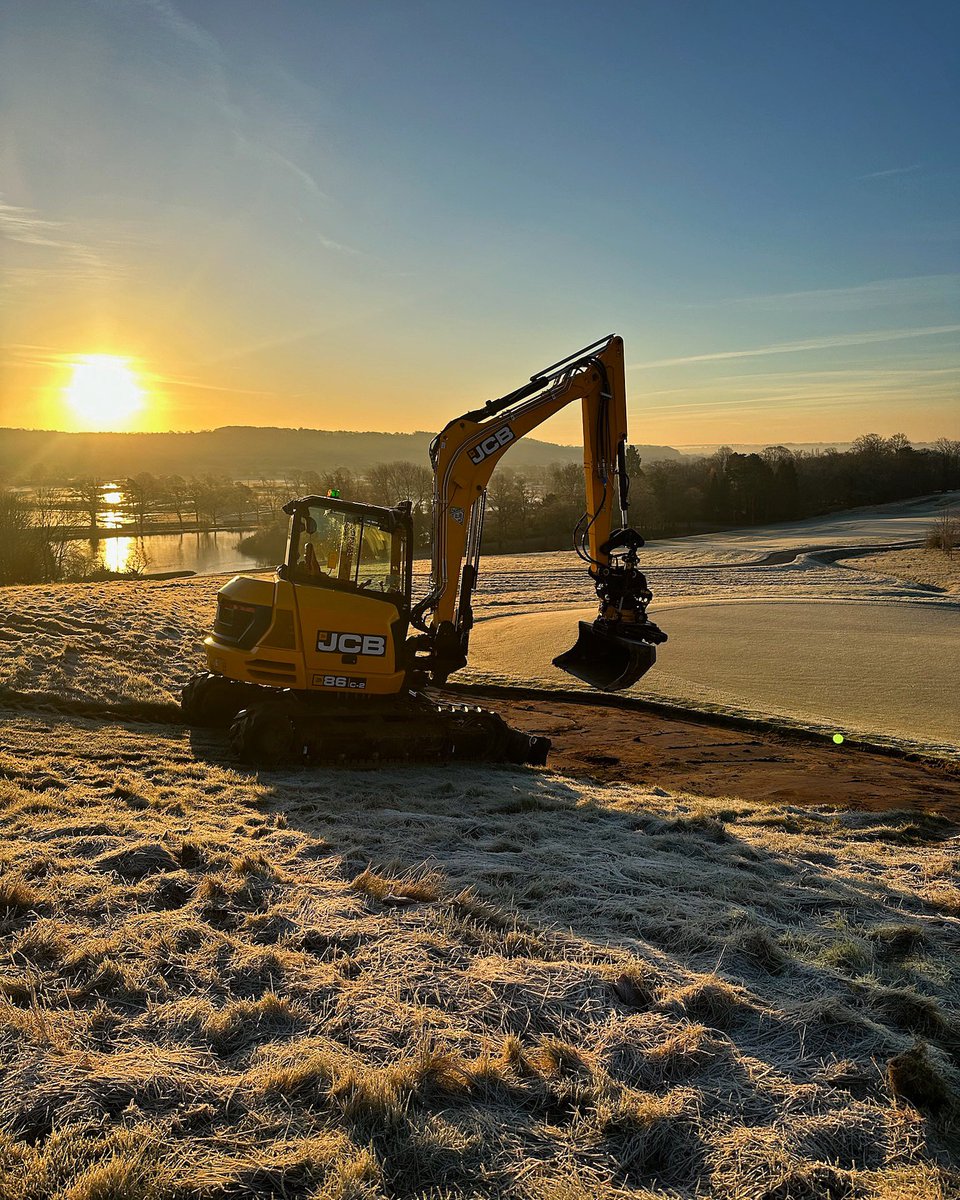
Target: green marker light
(838, 739)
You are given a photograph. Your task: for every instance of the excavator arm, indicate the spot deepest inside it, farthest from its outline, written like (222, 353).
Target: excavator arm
(618, 647)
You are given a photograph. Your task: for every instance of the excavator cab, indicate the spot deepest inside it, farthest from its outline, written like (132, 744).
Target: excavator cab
(352, 547)
(350, 567)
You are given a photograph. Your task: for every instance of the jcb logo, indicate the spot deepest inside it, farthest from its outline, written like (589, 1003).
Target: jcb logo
(491, 444)
(351, 643)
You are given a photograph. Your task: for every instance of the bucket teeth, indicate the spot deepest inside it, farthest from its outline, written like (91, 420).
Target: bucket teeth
(605, 659)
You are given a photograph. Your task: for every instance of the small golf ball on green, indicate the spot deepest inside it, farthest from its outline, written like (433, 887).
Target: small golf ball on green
(838, 739)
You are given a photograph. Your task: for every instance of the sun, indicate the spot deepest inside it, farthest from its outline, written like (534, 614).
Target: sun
(103, 391)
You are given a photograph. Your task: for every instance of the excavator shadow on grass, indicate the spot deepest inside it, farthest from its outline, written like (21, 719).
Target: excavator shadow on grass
(676, 952)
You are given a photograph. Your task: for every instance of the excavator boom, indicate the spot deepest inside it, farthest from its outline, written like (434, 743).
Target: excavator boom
(619, 647)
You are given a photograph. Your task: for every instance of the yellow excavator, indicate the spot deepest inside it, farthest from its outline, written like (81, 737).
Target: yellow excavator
(330, 660)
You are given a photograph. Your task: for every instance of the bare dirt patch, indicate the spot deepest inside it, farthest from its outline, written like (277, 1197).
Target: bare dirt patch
(645, 748)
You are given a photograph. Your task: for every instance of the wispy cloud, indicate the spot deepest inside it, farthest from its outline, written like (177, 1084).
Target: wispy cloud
(253, 142)
(26, 227)
(822, 343)
(195, 385)
(779, 385)
(709, 400)
(182, 27)
(892, 171)
(879, 293)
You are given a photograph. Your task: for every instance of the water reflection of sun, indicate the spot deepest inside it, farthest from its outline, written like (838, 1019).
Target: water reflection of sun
(117, 552)
(111, 517)
(103, 392)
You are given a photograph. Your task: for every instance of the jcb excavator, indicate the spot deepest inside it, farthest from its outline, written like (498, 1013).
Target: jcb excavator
(319, 663)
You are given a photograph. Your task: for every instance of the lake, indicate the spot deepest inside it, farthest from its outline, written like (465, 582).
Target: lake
(155, 553)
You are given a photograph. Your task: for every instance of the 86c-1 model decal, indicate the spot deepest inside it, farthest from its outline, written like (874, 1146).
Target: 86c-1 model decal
(338, 681)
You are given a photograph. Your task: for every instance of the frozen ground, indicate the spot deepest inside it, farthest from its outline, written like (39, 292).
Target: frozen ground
(761, 621)
(433, 984)
(938, 568)
(886, 524)
(880, 669)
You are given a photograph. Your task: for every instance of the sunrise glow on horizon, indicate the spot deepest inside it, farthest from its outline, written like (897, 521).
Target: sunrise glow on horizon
(343, 217)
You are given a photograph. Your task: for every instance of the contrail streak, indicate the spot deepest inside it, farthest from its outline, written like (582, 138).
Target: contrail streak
(823, 343)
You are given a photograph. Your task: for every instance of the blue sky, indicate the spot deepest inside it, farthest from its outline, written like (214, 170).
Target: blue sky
(367, 215)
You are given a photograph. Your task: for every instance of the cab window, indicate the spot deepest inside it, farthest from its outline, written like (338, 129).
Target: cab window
(348, 550)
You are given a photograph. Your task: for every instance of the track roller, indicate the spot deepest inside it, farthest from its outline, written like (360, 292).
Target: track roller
(275, 732)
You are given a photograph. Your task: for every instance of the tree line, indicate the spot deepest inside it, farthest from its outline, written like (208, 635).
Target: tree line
(724, 490)
(525, 511)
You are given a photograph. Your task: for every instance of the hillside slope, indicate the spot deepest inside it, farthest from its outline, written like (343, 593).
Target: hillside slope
(239, 452)
(441, 982)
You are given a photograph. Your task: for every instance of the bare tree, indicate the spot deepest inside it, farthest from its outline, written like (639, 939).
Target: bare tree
(174, 491)
(48, 520)
(88, 493)
(944, 533)
(142, 492)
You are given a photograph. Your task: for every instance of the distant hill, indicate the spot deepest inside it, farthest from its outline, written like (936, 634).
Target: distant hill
(242, 452)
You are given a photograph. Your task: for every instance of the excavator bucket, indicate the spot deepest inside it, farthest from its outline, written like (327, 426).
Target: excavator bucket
(606, 660)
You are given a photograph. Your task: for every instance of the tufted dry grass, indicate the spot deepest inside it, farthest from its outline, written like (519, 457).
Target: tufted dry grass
(473, 982)
(434, 983)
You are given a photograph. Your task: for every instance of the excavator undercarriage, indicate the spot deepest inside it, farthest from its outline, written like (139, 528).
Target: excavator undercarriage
(274, 728)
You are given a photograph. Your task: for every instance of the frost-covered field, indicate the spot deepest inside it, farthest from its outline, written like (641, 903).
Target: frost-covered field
(435, 983)
(882, 670)
(443, 983)
(903, 521)
(774, 628)
(938, 569)
(773, 560)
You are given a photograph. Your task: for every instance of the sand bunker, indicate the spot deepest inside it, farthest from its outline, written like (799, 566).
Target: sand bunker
(887, 669)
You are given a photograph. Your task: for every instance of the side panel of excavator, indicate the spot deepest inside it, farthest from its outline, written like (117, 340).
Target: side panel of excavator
(254, 637)
(306, 637)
